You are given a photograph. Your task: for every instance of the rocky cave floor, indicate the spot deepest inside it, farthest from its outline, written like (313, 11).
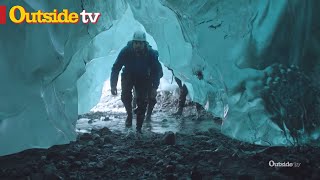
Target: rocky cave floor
(107, 153)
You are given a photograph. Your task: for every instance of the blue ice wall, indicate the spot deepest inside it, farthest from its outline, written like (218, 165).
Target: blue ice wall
(260, 61)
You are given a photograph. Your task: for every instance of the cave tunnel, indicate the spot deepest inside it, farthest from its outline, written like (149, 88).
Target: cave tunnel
(252, 66)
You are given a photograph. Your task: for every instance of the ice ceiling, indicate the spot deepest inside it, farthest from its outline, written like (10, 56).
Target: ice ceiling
(260, 61)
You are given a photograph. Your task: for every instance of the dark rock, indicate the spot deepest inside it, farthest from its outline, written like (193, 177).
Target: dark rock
(245, 177)
(26, 171)
(92, 156)
(53, 155)
(146, 174)
(71, 157)
(131, 160)
(50, 169)
(107, 139)
(176, 156)
(95, 136)
(63, 165)
(91, 143)
(277, 175)
(85, 137)
(202, 137)
(219, 176)
(53, 177)
(316, 175)
(215, 171)
(100, 165)
(169, 138)
(137, 160)
(159, 163)
(37, 176)
(185, 150)
(170, 168)
(100, 141)
(110, 160)
(211, 142)
(84, 167)
(257, 157)
(105, 131)
(107, 146)
(171, 177)
(157, 142)
(73, 176)
(81, 155)
(90, 121)
(195, 174)
(92, 165)
(168, 149)
(180, 167)
(151, 158)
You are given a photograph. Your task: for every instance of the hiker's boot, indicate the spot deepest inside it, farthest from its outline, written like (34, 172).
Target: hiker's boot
(129, 120)
(140, 118)
(149, 112)
(139, 130)
(148, 117)
(128, 107)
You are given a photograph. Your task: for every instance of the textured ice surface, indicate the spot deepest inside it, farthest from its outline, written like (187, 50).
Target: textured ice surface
(39, 69)
(38, 102)
(239, 47)
(244, 49)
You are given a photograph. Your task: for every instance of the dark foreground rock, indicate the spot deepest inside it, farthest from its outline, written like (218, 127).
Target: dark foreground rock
(204, 155)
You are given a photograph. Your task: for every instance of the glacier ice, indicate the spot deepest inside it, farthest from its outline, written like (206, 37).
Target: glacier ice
(248, 51)
(37, 108)
(243, 40)
(234, 44)
(40, 66)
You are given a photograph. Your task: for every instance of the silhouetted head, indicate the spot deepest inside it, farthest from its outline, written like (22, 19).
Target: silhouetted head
(139, 41)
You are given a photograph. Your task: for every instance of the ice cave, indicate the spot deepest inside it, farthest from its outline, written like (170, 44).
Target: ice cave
(259, 59)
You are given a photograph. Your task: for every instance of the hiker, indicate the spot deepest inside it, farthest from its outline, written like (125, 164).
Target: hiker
(140, 62)
(152, 93)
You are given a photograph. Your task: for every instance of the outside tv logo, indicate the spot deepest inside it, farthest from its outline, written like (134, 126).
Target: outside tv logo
(40, 17)
(3, 14)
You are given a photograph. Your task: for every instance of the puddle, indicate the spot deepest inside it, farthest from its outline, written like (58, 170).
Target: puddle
(111, 114)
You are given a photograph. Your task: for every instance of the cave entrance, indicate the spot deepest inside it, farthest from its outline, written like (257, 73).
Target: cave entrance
(98, 108)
